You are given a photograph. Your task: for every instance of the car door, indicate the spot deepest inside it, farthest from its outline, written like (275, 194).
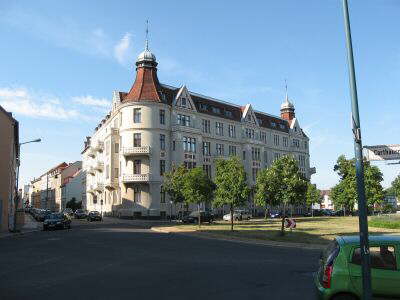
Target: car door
(385, 274)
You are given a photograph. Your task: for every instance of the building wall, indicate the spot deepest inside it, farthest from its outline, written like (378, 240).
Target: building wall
(8, 165)
(115, 193)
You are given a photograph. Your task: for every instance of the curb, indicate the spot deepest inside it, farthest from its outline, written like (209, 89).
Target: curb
(11, 234)
(211, 236)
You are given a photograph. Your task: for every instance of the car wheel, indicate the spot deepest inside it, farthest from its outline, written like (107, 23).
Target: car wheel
(344, 297)
(44, 228)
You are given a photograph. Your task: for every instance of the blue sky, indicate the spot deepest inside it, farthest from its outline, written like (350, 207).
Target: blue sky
(60, 62)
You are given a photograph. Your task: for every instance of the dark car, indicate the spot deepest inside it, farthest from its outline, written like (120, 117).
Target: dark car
(42, 215)
(275, 215)
(80, 214)
(94, 216)
(56, 221)
(193, 217)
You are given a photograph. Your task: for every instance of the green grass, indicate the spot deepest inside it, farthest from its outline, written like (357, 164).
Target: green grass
(389, 222)
(317, 230)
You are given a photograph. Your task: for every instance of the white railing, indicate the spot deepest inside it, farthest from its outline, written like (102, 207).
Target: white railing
(135, 150)
(99, 186)
(99, 165)
(99, 146)
(91, 170)
(111, 182)
(136, 178)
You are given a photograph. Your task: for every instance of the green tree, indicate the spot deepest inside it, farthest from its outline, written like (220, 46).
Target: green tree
(197, 188)
(174, 184)
(313, 195)
(232, 188)
(345, 192)
(281, 184)
(73, 204)
(396, 186)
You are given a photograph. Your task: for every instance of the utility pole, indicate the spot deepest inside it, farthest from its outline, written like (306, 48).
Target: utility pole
(47, 190)
(362, 207)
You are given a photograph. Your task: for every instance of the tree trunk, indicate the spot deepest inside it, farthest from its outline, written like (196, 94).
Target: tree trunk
(312, 211)
(198, 209)
(231, 209)
(266, 212)
(291, 210)
(283, 220)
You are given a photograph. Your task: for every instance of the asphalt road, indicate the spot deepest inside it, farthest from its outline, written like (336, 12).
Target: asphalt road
(128, 261)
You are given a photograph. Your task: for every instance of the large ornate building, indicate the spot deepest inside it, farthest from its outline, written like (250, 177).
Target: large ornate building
(155, 126)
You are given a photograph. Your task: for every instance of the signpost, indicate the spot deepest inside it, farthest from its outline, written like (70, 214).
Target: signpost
(382, 152)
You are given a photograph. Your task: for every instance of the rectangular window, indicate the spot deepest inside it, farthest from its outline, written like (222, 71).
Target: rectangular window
(137, 194)
(162, 116)
(189, 144)
(206, 126)
(116, 173)
(276, 156)
(162, 142)
(249, 133)
(232, 150)
(137, 166)
(254, 173)
(183, 102)
(285, 141)
(265, 156)
(107, 171)
(296, 143)
(137, 115)
(107, 147)
(255, 153)
(228, 113)
(206, 148)
(173, 145)
(162, 195)
(162, 167)
(232, 131)
(244, 154)
(207, 170)
(116, 147)
(215, 110)
(305, 145)
(189, 164)
(183, 120)
(382, 257)
(220, 149)
(276, 140)
(219, 128)
(137, 140)
(263, 137)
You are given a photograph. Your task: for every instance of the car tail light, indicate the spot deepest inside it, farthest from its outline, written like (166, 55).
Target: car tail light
(326, 279)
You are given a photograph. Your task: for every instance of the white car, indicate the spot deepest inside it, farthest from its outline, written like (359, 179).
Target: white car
(238, 215)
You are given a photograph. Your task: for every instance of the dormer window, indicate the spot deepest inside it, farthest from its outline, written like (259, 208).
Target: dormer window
(273, 124)
(259, 121)
(203, 106)
(216, 110)
(282, 126)
(228, 114)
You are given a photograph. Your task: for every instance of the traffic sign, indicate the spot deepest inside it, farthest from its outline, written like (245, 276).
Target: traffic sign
(382, 152)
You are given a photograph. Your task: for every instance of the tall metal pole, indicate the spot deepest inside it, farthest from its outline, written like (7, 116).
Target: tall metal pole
(362, 207)
(47, 190)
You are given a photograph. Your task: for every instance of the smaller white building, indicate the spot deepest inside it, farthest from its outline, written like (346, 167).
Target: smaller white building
(326, 202)
(73, 186)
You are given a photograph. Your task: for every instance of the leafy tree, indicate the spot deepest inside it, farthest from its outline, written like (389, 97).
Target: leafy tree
(396, 186)
(197, 188)
(73, 204)
(281, 183)
(174, 184)
(345, 193)
(313, 195)
(232, 188)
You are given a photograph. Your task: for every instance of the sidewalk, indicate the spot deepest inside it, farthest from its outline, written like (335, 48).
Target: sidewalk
(30, 225)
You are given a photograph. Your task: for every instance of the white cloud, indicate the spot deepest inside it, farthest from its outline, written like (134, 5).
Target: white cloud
(123, 50)
(91, 101)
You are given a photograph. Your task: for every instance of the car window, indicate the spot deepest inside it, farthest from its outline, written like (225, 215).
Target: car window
(331, 252)
(382, 257)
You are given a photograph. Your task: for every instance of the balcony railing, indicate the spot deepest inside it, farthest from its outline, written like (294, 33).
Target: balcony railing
(114, 130)
(111, 183)
(127, 178)
(99, 186)
(91, 152)
(91, 170)
(91, 188)
(99, 166)
(130, 151)
(99, 146)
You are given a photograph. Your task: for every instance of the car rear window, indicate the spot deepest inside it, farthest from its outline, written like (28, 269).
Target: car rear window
(382, 257)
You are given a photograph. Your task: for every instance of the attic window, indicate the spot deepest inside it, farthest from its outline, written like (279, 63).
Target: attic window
(203, 106)
(216, 110)
(282, 126)
(183, 102)
(259, 121)
(273, 124)
(228, 114)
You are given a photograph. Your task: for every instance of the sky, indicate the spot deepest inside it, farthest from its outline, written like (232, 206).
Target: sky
(61, 61)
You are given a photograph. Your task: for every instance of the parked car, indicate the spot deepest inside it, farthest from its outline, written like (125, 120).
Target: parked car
(193, 217)
(80, 214)
(56, 220)
(275, 215)
(42, 215)
(328, 212)
(339, 274)
(238, 215)
(94, 216)
(69, 212)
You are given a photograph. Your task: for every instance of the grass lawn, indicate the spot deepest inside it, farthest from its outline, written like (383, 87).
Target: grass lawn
(387, 221)
(317, 230)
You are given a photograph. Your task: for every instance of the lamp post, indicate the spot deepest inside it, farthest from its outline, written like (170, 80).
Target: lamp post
(362, 207)
(16, 199)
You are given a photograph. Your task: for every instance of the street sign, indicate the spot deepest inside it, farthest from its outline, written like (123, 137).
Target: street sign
(382, 152)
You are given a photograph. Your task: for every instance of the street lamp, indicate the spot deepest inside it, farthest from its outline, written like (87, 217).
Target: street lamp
(16, 199)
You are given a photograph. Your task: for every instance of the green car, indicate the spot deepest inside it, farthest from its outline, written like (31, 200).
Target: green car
(339, 274)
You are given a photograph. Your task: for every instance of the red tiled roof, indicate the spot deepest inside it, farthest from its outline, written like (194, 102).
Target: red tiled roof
(145, 87)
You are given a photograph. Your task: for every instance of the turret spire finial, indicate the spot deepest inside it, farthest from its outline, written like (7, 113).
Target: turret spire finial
(286, 89)
(147, 35)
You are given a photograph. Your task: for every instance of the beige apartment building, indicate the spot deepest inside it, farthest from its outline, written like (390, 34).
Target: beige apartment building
(9, 161)
(155, 126)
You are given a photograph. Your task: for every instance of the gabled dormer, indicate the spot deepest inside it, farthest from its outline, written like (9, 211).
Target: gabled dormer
(184, 100)
(295, 127)
(248, 115)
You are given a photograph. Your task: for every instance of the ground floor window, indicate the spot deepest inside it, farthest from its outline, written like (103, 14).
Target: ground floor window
(137, 194)
(163, 214)
(162, 195)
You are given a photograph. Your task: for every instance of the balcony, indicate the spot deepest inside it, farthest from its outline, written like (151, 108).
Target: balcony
(132, 151)
(90, 188)
(91, 152)
(99, 166)
(131, 178)
(91, 170)
(111, 183)
(99, 146)
(114, 130)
